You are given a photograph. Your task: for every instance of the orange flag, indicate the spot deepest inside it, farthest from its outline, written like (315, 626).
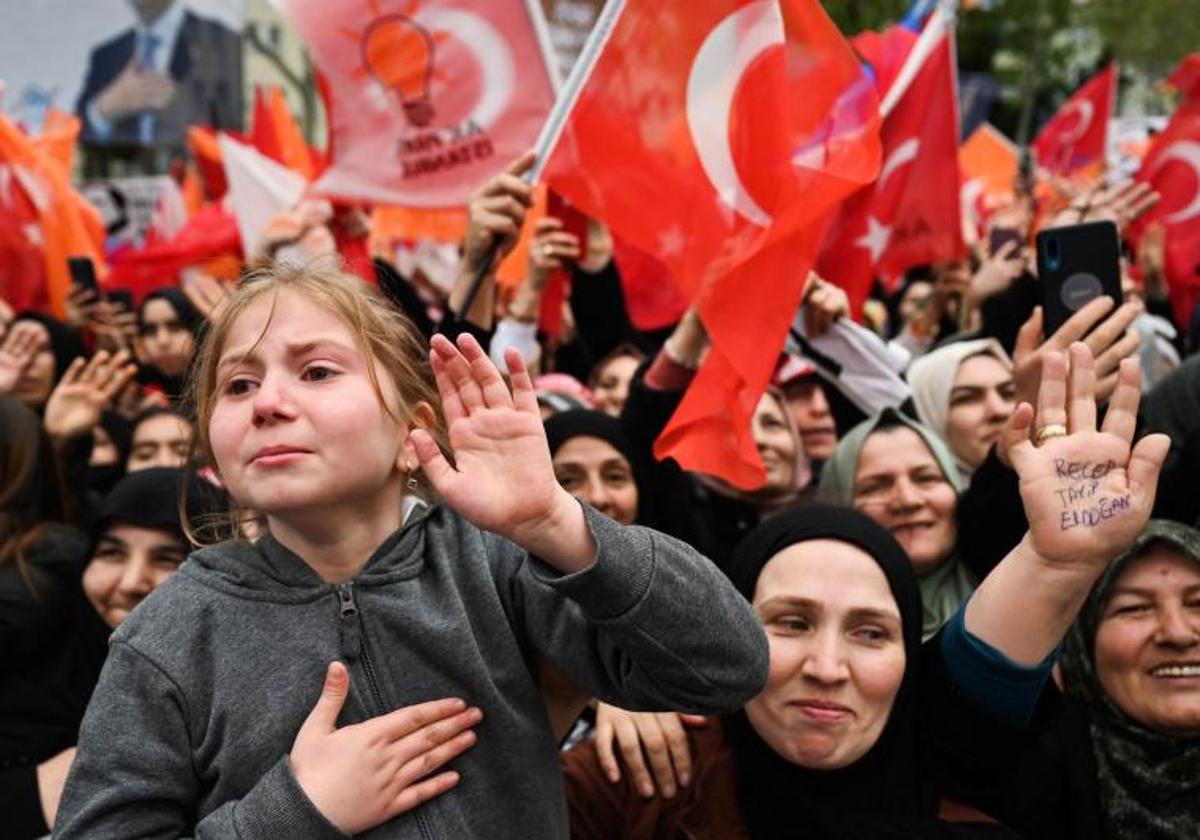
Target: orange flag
(67, 226)
(990, 159)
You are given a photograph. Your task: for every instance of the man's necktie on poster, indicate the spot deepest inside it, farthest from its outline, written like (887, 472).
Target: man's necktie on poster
(148, 44)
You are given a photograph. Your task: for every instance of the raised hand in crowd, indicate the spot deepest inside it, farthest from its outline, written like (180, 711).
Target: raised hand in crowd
(85, 390)
(1152, 261)
(114, 327)
(550, 249)
(1087, 493)
(495, 214)
(502, 479)
(653, 746)
(364, 774)
(21, 343)
(81, 304)
(1123, 204)
(824, 303)
(1106, 333)
(208, 294)
(997, 273)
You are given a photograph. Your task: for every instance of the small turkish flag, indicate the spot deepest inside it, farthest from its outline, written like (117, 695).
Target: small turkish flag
(427, 99)
(716, 137)
(1076, 137)
(912, 214)
(1172, 167)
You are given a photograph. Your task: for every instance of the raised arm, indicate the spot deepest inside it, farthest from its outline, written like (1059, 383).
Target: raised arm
(1087, 493)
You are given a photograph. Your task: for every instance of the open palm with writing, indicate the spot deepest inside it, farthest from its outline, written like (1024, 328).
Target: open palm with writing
(502, 479)
(1087, 491)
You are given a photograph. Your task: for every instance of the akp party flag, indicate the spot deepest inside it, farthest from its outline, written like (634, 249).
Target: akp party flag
(426, 99)
(911, 215)
(717, 137)
(1076, 137)
(990, 163)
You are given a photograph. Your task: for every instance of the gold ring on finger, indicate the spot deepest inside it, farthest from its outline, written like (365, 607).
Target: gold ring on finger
(1047, 431)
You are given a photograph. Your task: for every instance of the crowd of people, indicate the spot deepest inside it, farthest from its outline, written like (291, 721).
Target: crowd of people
(310, 556)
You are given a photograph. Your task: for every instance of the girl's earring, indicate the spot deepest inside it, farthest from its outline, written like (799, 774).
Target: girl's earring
(411, 485)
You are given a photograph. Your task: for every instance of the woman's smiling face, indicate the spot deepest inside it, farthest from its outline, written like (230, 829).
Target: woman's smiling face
(837, 653)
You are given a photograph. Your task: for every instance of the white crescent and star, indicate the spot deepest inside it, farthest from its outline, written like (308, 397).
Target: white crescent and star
(1087, 112)
(1188, 152)
(723, 58)
(876, 239)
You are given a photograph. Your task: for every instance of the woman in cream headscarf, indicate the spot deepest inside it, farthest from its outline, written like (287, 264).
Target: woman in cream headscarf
(901, 474)
(964, 392)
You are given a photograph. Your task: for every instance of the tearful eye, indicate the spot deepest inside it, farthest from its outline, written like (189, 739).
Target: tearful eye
(238, 387)
(319, 373)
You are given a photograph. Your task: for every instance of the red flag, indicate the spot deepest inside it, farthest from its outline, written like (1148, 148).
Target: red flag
(717, 137)
(912, 214)
(428, 98)
(1172, 167)
(66, 224)
(1076, 137)
(22, 270)
(210, 232)
(1186, 77)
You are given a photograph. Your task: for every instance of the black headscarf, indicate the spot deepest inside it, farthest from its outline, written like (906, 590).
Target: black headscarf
(1149, 780)
(65, 342)
(149, 498)
(882, 795)
(584, 422)
(171, 386)
(187, 314)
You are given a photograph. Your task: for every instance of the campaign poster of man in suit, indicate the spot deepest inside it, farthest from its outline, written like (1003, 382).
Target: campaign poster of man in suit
(173, 68)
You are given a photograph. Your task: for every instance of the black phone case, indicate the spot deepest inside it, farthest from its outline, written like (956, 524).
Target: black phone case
(83, 273)
(1076, 264)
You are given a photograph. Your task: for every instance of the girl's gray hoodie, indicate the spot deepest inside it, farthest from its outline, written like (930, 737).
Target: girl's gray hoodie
(209, 680)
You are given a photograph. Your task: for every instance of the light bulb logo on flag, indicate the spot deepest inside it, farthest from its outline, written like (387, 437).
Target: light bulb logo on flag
(398, 53)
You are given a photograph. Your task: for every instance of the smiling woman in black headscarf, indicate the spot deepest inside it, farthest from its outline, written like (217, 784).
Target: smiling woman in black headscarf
(861, 729)
(841, 742)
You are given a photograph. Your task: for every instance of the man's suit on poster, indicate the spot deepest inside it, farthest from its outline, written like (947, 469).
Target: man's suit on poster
(206, 67)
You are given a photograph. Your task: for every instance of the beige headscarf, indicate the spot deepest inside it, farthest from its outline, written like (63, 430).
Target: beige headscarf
(931, 378)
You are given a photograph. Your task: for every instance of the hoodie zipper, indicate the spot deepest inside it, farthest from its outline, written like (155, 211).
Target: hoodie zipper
(350, 632)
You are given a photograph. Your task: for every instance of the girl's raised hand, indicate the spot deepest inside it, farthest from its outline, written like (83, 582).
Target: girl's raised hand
(502, 479)
(1087, 492)
(362, 775)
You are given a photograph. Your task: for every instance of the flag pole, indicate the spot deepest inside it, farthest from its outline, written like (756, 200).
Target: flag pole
(552, 128)
(940, 22)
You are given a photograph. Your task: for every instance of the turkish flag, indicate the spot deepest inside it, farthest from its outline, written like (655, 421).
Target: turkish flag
(1076, 137)
(1172, 167)
(912, 214)
(1186, 77)
(717, 137)
(427, 99)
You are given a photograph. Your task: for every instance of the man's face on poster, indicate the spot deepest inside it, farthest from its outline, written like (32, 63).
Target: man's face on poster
(149, 11)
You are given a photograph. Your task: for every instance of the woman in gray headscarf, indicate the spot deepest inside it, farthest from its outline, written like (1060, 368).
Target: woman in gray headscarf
(901, 474)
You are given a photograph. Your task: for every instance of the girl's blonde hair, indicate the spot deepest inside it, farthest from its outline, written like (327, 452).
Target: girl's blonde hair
(389, 340)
